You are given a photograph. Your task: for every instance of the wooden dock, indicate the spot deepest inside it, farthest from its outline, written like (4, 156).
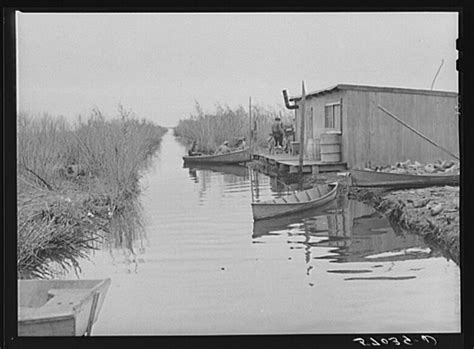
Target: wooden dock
(287, 163)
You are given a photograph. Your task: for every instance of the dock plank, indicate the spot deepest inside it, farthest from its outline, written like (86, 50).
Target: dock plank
(291, 163)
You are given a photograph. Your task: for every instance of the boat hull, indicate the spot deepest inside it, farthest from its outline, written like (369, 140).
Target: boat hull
(271, 209)
(364, 178)
(228, 158)
(263, 227)
(59, 307)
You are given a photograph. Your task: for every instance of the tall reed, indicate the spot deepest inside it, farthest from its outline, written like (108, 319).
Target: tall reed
(212, 129)
(78, 184)
(42, 145)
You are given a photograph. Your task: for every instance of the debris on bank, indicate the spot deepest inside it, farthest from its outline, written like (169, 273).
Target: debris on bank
(416, 168)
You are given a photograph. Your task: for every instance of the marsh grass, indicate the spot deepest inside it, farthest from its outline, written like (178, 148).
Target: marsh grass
(53, 228)
(78, 187)
(212, 129)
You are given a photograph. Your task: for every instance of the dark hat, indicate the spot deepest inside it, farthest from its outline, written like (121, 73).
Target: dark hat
(277, 118)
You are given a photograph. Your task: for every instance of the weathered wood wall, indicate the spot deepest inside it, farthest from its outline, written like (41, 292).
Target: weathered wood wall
(371, 137)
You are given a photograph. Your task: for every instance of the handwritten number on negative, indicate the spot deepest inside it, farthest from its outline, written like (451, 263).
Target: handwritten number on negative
(361, 341)
(429, 339)
(374, 342)
(394, 340)
(407, 340)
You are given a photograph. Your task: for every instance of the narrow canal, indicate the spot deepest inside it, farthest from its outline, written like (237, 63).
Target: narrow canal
(204, 267)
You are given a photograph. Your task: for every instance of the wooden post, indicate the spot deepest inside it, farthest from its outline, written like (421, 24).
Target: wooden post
(257, 185)
(255, 132)
(418, 133)
(251, 128)
(301, 150)
(251, 182)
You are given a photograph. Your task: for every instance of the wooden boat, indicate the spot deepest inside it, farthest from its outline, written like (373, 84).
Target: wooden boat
(299, 201)
(268, 226)
(59, 307)
(364, 178)
(235, 157)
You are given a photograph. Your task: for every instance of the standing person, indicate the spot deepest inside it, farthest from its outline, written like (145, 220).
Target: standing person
(277, 132)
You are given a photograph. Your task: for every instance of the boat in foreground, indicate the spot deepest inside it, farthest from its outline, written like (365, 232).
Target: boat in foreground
(365, 178)
(299, 201)
(59, 307)
(235, 157)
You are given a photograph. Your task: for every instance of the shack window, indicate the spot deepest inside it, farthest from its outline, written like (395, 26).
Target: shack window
(332, 115)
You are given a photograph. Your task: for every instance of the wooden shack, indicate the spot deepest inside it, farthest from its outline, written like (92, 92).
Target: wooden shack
(346, 119)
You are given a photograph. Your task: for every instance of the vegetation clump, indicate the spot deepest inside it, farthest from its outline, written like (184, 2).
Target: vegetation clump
(210, 129)
(77, 187)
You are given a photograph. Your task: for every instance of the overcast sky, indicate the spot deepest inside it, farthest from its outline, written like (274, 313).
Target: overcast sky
(159, 64)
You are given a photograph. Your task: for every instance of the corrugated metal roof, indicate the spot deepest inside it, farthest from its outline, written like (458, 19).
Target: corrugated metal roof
(377, 89)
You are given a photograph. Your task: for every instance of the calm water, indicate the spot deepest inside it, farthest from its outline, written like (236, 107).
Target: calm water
(205, 268)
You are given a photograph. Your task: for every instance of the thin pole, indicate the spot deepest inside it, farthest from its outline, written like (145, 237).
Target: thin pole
(415, 131)
(257, 185)
(437, 72)
(301, 150)
(250, 124)
(251, 182)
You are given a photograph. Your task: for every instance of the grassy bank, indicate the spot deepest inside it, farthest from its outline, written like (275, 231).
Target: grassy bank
(78, 187)
(210, 129)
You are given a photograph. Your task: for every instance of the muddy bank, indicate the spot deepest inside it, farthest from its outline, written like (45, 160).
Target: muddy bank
(430, 212)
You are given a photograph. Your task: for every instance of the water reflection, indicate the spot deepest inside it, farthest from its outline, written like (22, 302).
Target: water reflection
(350, 230)
(127, 244)
(204, 174)
(206, 268)
(193, 175)
(233, 170)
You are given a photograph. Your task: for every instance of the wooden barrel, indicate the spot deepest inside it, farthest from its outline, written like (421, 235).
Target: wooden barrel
(330, 147)
(310, 149)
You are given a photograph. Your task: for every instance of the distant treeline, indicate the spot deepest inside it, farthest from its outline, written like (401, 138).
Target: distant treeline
(77, 185)
(210, 129)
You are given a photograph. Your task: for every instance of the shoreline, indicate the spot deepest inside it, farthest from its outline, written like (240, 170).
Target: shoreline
(431, 212)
